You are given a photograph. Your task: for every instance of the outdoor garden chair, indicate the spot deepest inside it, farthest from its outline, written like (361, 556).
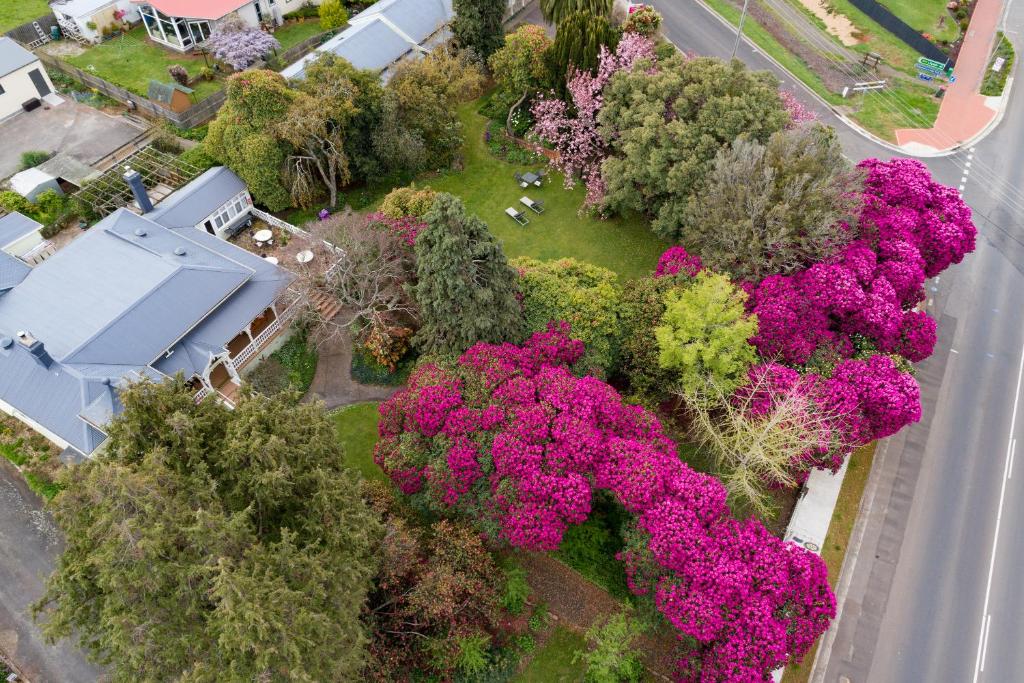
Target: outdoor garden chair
(519, 179)
(536, 207)
(518, 216)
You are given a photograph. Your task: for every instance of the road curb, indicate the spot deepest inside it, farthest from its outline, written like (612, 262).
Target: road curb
(855, 127)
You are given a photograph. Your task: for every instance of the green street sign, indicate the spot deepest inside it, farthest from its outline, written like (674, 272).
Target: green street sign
(931, 62)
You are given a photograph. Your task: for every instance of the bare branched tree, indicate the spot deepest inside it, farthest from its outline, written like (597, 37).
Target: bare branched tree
(358, 275)
(763, 438)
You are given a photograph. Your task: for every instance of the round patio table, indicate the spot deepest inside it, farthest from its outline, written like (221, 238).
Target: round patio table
(263, 236)
(304, 256)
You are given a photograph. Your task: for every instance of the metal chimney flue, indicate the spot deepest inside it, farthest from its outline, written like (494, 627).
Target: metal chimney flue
(134, 180)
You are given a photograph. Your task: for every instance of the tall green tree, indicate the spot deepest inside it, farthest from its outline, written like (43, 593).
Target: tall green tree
(703, 335)
(556, 11)
(332, 15)
(586, 296)
(241, 138)
(465, 289)
(776, 207)
(641, 308)
(665, 127)
(214, 545)
(479, 25)
(520, 67)
(577, 45)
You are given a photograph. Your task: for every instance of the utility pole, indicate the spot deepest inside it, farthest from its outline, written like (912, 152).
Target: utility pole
(739, 29)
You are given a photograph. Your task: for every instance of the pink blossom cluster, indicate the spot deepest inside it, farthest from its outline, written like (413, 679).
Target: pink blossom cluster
(509, 437)
(910, 228)
(799, 114)
(573, 130)
(676, 259)
(406, 227)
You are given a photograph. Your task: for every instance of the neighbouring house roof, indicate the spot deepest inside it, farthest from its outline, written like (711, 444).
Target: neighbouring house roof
(163, 92)
(194, 202)
(14, 226)
(12, 271)
(13, 56)
(382, 34)
(80, 8)
(30, 180)
(195, 9)
(62, 165)
(109, 306)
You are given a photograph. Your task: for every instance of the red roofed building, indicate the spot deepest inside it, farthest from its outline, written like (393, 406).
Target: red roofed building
(185, 24)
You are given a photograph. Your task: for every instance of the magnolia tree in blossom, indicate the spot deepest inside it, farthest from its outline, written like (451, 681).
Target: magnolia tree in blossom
(509, 437)
(573, 130)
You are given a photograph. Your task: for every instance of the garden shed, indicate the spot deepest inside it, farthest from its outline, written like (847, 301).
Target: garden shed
(86, 19)
(173, 96)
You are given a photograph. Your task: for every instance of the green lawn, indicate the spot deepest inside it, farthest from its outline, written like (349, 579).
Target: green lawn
(925, 15)
(293, 33)
(553, 662)
(14, 13)
(907, 106)
(486, 185)
(356, 427)
(132, 61)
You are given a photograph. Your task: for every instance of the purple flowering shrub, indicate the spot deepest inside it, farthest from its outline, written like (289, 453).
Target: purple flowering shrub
(509, 437)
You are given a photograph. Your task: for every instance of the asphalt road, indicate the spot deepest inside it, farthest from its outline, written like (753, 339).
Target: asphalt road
(920, 587)
(29, 544)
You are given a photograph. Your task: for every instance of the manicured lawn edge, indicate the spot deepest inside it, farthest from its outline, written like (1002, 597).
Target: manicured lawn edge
(838, 538)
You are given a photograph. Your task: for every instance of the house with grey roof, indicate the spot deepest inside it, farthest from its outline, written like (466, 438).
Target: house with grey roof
(130, 299)
(384, 34)
(22, 237)
(217, 202)
(22, 78)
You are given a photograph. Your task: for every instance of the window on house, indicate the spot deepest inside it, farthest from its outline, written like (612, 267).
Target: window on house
(209, 227)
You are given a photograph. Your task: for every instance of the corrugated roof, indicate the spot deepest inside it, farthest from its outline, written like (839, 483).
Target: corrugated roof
(109, 303)
(14, 226)
(418, 19)
(80, 8)
(12, 271)
(13, 56)
(196, 9)
(193, 203)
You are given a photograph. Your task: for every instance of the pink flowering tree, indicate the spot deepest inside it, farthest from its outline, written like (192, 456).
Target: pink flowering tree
(573, 130)
(799, 114)
(240, 45)
(508, 437)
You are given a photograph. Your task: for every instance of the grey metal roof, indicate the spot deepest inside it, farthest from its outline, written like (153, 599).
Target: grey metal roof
(14, 226)
(62, 165)
(110, 303)
(382, 33)
(13, 56)
(12, 271)
(193, 203)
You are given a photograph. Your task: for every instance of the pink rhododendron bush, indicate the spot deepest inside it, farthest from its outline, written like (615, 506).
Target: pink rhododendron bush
(509, 437)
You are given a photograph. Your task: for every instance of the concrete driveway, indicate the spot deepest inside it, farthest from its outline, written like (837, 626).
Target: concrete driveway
(29, 545)
(76, 129)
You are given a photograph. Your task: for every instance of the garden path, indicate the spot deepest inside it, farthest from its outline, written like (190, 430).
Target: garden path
(333, 381)
(578, 603)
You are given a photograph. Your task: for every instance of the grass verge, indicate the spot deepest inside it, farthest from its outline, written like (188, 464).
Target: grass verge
(838, 538)
(995, 81)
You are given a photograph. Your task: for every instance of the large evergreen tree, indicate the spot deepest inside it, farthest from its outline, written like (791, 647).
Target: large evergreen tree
(214, 545)
(478, 25)
(556, 11)
(465, 289)
(578, 44)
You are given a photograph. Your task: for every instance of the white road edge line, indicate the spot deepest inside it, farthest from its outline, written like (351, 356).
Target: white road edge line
(1013, 453)
(984, 649)
(999, 518)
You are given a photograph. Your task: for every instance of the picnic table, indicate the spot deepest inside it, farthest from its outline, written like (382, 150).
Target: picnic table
(531, 178)
(263, 236)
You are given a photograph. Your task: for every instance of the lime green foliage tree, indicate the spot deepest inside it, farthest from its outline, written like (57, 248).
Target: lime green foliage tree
(478, 25)
(703, 335)
(612, 657)
(332, 15)
(556, 11)
(465, 289)
(774, 208)
(519, 67)
(665, 127)
(577, 45)
(640, 312)
(584, 295)
(241, 136)
(207, 544)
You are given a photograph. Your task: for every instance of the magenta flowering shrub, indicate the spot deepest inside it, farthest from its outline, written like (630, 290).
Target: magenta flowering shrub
(910, 228)
(406, 227)
(676, 259)
(573, 130)
(510, 438)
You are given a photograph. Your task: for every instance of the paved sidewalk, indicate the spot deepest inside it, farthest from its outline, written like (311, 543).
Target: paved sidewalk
(964, 112)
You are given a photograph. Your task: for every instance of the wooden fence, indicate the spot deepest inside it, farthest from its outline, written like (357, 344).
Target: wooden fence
(199, 113)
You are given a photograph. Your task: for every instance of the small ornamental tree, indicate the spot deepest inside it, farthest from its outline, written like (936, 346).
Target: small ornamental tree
(465, 289)
(703, 335)
(332, 14)
(583, 295)
(509, 438)
(519, 68)
(644, 21)
(239, 44)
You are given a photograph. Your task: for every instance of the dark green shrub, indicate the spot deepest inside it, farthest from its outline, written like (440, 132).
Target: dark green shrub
(366, 370)
(516, 589)
(299, 358)
(33, 158)
(269, 377)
